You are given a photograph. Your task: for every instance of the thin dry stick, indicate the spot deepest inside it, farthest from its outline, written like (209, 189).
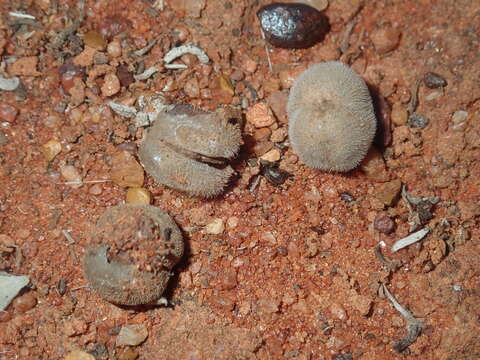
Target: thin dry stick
(82, 182)
(69, 237)
(270, 66)
(414, 326)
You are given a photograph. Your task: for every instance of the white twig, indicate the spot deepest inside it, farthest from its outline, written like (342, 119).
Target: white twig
(146, 74)
(404, 312)
(186, 49)
(175, 66)
(21, 15)
(270, 66)
(82, 182)
(69, 237)
(123, 110)
(414, 326)
(144, 50)
(410, 239)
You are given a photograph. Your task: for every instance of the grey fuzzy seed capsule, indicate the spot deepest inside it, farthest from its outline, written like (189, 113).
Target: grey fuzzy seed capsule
(188, 148)
(331, 117)
(133, 249)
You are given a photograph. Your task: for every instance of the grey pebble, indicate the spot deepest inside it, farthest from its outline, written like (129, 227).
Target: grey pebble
(433, 80)
(417, 120)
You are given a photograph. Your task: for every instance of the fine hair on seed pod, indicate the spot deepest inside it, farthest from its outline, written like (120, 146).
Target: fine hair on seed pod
(132, 252)
(188, 149)
(331, 117)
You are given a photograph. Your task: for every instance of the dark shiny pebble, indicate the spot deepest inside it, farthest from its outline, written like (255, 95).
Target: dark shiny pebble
(292, 25)
(433, 80)
(273, 174)
(417, 120)
(383, 223)
(347, 197)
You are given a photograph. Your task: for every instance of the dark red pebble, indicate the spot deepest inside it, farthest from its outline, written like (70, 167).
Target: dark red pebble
(114, 25)
(124, 75)
(292, 25)
(383, 224)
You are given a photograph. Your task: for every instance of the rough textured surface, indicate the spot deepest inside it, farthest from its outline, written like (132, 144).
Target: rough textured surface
(220, 341)
(186, 147)
(295, 265)
(331, 117)
(134, 249)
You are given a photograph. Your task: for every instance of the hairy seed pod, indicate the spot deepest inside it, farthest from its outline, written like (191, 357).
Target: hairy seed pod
(331, 117)
(134, 248)
(292, 25)
(188, 148)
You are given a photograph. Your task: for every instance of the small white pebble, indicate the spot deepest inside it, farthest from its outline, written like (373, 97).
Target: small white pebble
(71, 174)
(459, 116)
(457, 288)
(9, 84)
(272, 155)
(216, 227)
(434, 95)
(114, 49)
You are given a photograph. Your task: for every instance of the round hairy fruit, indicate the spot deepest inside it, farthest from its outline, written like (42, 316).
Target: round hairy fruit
(133, 249)
(331, 117)
(188, 149)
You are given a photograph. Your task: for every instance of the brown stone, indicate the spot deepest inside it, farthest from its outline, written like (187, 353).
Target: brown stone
(126, 171)
(374, 166)
(8, 112)
(388, 192)
(25, 66)
(399, 114)
(385, 39)
(260, 115)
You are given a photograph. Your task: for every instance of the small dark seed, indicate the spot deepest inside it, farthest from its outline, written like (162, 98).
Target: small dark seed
(318, 229)
(417, 120)
(347, 197)
(433, 80)
(62, 286)
(292, 25)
